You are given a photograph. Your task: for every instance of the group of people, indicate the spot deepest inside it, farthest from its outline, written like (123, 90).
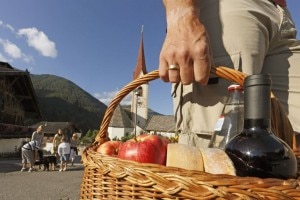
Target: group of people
(64, 149)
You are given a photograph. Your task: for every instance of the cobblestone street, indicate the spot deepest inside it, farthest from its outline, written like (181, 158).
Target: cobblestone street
(39, 185)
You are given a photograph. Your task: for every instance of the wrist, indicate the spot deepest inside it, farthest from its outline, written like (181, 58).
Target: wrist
(178, 16)
(181, 10)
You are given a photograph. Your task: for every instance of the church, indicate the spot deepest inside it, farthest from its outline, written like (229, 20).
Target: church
(137, 118)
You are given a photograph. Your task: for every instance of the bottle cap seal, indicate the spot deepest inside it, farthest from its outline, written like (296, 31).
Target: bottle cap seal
(257, 79)
(235, 86)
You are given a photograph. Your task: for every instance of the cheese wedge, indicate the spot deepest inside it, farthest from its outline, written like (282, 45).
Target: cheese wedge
(216, 161)
(184, 156)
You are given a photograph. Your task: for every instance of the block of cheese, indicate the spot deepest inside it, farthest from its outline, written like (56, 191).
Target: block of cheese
(216, 161)
(184, 156)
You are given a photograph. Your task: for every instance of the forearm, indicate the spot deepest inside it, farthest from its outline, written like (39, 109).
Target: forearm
(178, 11)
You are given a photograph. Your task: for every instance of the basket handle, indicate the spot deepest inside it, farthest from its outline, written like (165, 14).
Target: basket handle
(102, 136)
(222, 72)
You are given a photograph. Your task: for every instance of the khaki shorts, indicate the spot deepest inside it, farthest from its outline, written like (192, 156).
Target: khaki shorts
(250, 36)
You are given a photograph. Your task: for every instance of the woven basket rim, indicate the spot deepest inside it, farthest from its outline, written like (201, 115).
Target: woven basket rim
(170, 182)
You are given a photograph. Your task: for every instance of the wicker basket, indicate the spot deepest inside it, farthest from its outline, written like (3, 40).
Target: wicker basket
(108, 177)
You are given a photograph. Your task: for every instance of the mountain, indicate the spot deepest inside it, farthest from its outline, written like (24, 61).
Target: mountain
(60, 100)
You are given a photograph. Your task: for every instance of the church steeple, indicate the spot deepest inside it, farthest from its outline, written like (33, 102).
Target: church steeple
(140, 68)
(139, 102)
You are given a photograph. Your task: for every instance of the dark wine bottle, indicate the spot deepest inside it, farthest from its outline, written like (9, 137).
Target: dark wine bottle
(256, 151)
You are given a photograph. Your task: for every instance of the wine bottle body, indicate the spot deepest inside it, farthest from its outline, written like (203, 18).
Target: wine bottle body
(257, 152)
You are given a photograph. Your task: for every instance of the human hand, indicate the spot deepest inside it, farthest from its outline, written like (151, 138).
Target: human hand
(186, 46)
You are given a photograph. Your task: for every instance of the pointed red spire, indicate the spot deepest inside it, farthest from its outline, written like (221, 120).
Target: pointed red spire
(141, 64)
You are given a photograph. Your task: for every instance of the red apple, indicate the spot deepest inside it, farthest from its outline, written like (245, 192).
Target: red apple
(110, 148)
(165, 142)
(145, 148)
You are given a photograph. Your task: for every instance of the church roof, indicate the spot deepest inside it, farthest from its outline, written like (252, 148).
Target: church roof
(21, 83)
(120, 119)
(141, 64)
(163, 123)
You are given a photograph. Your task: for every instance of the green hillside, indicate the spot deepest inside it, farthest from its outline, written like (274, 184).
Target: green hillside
(61, 100)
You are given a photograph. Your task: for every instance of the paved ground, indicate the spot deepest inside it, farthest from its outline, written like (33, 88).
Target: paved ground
(39, 185)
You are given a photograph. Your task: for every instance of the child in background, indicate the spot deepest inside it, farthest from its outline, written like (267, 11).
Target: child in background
(74, 151)
(56, 142)
(28, 150)
(64, 151)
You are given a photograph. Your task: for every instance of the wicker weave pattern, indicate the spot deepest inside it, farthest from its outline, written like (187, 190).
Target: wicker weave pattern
(108, 177)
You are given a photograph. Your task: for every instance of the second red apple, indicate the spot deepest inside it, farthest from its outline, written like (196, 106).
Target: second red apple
(145, 149)
(110, 148)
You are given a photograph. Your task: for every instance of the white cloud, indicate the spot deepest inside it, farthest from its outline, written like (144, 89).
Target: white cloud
(8, 26)
(39, 41)
(11, 49)
(3, 58)
(36, 39)
(107, 97)
(27, 58)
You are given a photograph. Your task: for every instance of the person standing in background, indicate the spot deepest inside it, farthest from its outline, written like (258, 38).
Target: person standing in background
(56, 141)
(28, 150)
(38, 136)
(74, 150)
(64, 151)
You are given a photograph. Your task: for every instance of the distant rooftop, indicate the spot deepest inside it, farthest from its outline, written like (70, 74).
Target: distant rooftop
(162, 123)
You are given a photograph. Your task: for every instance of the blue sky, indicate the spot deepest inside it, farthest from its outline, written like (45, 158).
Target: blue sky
(87, 42)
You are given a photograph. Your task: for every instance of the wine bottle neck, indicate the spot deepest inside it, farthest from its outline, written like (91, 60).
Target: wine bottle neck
(257, 123)
(257, 102)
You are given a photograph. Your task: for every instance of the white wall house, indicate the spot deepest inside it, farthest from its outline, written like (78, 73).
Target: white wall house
(11, 144)
(115, 132)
